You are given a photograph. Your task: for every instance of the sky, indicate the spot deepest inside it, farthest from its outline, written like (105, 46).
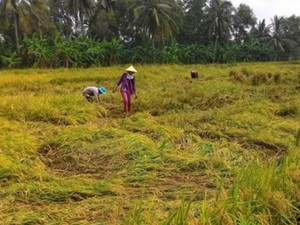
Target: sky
(266, 9)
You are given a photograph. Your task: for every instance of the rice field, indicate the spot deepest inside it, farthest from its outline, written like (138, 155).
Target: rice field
(220, 149)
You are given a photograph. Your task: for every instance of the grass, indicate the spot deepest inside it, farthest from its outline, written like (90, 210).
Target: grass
(222, 149)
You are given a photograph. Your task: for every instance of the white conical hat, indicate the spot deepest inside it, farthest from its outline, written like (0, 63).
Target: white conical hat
(131, 69)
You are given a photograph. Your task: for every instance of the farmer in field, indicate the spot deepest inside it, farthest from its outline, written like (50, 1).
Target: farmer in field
(91, 92)
(127, 82)
(194, 74)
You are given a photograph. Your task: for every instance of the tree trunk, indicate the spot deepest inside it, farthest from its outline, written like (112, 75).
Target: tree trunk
(16, 32)
(81, 23)
(215, 47)
(153, 45)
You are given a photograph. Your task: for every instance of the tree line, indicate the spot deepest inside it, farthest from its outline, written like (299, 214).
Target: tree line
(83, 33)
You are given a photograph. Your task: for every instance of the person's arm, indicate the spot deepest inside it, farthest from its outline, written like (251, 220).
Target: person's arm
(98, 98)
(97, 94)
(134, 88)
(118, 83)
(115, 87)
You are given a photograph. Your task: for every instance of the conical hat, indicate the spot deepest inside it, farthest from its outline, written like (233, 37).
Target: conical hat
(131, 69)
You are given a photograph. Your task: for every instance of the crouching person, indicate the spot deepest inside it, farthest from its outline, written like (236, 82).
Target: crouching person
(194, 74)
(91, 93)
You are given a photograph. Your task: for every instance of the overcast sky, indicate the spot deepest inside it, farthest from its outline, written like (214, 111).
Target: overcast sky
(266, 9)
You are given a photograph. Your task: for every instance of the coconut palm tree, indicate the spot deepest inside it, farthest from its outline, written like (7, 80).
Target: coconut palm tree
(77, 9)
(261, 30)
(23, 17)
(60, 17)
(157, 19)
(276, 37)
(10, 14)
(218, 21)
(106, 4)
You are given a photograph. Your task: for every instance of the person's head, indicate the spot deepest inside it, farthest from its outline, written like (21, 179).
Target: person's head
(102, 90)
(131, 70)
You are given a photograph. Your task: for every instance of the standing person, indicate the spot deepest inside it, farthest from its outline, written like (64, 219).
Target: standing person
(91, 91)
(127, 82)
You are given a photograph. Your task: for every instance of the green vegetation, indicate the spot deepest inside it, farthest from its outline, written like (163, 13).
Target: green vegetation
(87, 33)
(222, 149)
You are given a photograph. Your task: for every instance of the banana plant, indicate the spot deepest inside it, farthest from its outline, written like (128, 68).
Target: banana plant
(10, 61)
(171, 53)
(40, 51)
(115, 50)
(97, 53)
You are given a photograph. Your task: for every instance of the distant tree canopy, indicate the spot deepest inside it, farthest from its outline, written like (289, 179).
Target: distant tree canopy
(82, 33)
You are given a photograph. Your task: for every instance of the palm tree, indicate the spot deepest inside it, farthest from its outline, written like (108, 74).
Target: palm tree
(39, 14)
(77, 9)
(276, 37)
(10, 12)
(218, 21)
(261, 31)
(60, 17)
(107, 4)
(157, 19)
(21, 15)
